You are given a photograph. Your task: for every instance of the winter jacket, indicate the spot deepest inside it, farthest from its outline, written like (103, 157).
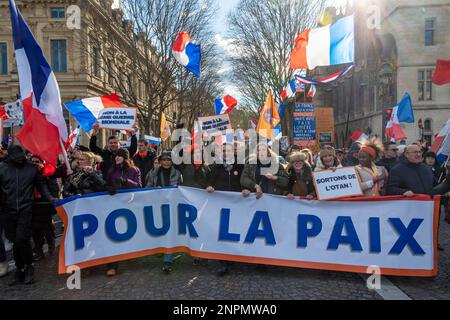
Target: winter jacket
(192, 176)
(152, 178)
(387, 163)
(17, 184)
(407, 176)
(300, 184)
(82, 182)
(249, 180)
(224, 177)
(121, 177)
(108, 156)
(145, 164)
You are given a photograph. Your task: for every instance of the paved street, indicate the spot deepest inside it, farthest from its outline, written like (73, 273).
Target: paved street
(143, 279)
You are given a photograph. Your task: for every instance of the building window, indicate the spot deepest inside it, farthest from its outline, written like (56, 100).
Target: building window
(96, 61)
(428, 131)
(429, 32)
(58, 13)
(3, 58)
(425, 85)
(59, 55)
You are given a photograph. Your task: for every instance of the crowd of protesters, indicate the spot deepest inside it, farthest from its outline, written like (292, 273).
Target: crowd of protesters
(28, 192)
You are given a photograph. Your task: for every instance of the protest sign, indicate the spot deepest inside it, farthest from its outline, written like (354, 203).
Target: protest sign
(125, 144)
(325, 126)
(397, 234)
(117, 118)
(14, 114)
(344, 182)
(215, 125)
(304, 126)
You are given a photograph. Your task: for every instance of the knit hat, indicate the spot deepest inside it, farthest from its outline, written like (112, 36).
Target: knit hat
(327, 150)
(124, 153)
(15, 152)
(165, 155)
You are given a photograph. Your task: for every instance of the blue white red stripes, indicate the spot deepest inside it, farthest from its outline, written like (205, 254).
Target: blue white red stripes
(326, 46)
(86, 111)
(187, 53)
(328, 79)
(225, 105)
(45, 125)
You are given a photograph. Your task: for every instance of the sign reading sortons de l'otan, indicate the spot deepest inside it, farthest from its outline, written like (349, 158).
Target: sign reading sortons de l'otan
(304, 126)
(117, 118)
(341, 183)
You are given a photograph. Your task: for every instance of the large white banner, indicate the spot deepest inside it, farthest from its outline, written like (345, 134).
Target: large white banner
(396, 234)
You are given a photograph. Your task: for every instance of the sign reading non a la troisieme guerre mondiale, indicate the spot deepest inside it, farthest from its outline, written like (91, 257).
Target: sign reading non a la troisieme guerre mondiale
(342, 183)
(117, 118)
(215, 125)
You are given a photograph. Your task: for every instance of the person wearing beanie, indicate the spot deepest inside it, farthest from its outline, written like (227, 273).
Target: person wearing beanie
(327, 160)
(373, 178)
(144, 158)
(123, 175)
(18, 180)
(300, 176)
(164, 174)
(430, 159)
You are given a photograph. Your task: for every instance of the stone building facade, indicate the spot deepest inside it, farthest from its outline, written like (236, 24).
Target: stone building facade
(394, 57)
(60, 28)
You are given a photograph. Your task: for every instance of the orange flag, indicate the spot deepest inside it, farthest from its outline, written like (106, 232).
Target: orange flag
(269, 118)
(165, 129)
(298, 53)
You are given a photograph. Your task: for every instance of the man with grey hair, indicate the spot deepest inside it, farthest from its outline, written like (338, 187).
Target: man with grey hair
(410, 176)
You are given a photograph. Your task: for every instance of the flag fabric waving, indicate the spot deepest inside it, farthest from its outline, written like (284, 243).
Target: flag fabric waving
(86, 111)
(269, 118)
(359, 136)
(45, 127)
(165, 128)
(330, 78)
(73, 138)
(225, 105)
(441, 75)
(441, 144)
(312, 91)
(288, 91)
(330, 45)
(187, 53)
(404, 109)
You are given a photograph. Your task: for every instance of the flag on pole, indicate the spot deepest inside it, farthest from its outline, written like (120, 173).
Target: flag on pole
(269, 118)
(330, 45)
(187, 53)
(45, 128)
(288, 91)
(165, 128)
(73, 137)
(312, 91)
(441, 143)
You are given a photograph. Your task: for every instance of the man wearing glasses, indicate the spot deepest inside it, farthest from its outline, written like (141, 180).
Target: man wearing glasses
(390, 158)
(410, 176)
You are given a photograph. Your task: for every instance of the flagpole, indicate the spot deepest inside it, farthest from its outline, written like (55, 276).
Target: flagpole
(66, 159)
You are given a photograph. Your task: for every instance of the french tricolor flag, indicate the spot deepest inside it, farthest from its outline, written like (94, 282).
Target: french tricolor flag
(45, 129)
(289, 90)
(187, 53)
(86, 111)
(330, 45)
(225, 105)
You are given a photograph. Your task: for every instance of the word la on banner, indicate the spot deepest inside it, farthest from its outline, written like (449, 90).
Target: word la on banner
(397, 234)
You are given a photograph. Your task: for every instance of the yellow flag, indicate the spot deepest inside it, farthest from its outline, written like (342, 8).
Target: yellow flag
(269, 118)
(165, 129)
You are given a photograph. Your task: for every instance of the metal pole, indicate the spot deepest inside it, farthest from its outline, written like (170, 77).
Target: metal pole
(66, 158)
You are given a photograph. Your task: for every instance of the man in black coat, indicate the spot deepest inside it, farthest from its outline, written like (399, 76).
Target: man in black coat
(109, 153)
(224, 176)
(18, 178)
(390, 157)
(410, 176)
(144, 159)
